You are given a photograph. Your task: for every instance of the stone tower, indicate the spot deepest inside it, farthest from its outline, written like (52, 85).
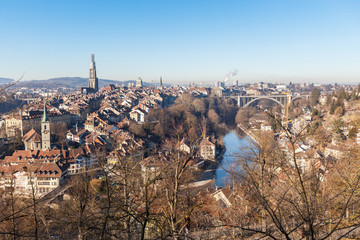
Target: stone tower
(45, 130)
(139, 83)
(93, 80)
(161, 84)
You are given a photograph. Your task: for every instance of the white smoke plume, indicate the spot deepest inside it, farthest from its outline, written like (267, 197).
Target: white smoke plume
(230, 75)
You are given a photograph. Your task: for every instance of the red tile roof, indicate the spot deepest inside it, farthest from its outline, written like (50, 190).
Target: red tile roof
(32, 135)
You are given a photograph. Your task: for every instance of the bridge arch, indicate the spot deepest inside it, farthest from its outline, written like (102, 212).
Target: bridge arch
(263, 97)
(299, 96)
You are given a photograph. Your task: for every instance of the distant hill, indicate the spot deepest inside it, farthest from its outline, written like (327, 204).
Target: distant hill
(5, 80)
(69, 82)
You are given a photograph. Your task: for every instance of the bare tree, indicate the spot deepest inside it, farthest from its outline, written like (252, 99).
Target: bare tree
(294, 195)
(76, 215)
(178, 204)
(4, 88)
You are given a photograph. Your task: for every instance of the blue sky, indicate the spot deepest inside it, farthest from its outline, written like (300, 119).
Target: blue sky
(182, 40)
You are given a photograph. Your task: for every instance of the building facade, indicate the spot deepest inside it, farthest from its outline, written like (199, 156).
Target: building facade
(207, 149)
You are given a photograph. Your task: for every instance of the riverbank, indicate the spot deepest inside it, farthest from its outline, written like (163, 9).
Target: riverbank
(235, 146)
(249, 134)
(215, 172)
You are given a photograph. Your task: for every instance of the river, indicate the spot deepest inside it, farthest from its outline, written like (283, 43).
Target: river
(235, 146)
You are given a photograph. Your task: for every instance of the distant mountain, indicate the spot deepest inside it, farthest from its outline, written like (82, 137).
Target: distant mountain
(69, 82)
(6, 80)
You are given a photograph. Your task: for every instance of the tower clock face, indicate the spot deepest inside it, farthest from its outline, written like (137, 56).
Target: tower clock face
(45, 131)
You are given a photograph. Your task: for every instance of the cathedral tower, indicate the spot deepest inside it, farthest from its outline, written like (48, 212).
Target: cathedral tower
(161, 84)
(139, 83)
(93, 80)
(45, 130)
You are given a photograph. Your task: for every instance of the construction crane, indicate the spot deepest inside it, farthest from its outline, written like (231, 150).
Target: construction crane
(288, 99)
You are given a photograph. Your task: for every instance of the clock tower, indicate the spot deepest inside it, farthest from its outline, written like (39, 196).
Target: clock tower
(45, 130)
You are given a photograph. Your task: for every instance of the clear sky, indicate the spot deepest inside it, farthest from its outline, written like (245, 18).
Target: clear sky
(182, 40)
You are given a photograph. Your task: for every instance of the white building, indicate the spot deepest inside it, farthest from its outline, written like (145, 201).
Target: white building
(207, 149)
(28, 179)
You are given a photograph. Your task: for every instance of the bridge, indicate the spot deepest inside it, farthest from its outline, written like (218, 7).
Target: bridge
(246, 100)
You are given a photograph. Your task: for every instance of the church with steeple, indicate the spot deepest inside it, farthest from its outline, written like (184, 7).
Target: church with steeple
(33, 141)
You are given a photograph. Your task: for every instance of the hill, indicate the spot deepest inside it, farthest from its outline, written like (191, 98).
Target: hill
(68, 82)
(5, 80)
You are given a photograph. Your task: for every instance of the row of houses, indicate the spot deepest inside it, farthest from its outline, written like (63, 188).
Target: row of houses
(41, 171)
(67, 109)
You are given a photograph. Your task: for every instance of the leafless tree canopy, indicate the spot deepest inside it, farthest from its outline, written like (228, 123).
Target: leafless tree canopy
(5, 88)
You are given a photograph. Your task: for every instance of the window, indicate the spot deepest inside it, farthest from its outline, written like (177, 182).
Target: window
(44, 183)
(45, 127)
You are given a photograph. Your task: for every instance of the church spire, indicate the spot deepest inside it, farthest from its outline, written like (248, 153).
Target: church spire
(92, 62)
(45, 118)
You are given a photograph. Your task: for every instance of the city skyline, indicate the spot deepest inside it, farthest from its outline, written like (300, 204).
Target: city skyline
(182, 41)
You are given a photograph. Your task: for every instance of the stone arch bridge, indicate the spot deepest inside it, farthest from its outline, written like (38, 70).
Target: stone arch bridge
(244, 101)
